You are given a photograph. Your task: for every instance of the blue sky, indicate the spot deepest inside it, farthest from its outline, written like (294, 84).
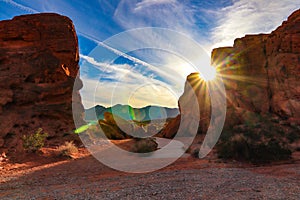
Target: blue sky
(149, 76)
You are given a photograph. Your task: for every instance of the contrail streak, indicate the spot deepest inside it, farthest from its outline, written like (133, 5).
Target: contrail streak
(116, 51)
(22, 7)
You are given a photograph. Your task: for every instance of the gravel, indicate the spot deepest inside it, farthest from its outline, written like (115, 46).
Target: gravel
(207, 183)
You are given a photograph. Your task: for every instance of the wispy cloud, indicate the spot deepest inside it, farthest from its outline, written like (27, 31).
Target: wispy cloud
(95, 92)
(250, 17)
(158, 13)
(126, 91)
(20, 6)
(167, 66)
(121, 83)
(106, 67)
(146, 3)
(138, 72)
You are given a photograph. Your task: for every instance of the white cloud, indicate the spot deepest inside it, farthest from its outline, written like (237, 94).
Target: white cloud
(106, 67)
(250, 17)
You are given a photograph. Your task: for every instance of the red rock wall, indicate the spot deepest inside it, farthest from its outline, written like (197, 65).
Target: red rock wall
(262, 72)
(38, 66)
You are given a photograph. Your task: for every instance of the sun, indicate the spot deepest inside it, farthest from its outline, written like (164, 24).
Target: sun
(208, 74)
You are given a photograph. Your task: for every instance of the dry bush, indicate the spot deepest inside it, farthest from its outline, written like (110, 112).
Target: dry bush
(34, 142)
(67, 149)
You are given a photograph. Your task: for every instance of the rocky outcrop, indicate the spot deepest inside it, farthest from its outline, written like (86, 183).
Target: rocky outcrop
(261, 74)
(114, 127)
(194, 100)
(38, 66)
(144, 145)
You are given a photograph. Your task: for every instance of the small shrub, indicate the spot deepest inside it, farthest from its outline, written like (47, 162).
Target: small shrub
(67, 149)
(236, 147)
(255, 152)
(262, 142)
(271, 151)
(34, 141)
(293, 136)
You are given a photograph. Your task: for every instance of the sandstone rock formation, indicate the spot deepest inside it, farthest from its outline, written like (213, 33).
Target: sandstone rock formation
(38, 66)
(261, 75)
(194, 99)
(262, 72)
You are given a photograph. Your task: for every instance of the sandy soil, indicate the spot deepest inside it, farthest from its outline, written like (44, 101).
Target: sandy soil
(46, 176)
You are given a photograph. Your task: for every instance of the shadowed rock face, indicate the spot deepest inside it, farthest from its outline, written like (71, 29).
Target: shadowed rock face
(261, 74)
(195, 99)
(38, 67)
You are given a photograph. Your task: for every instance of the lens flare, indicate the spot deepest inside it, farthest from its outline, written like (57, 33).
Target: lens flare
(208, 74)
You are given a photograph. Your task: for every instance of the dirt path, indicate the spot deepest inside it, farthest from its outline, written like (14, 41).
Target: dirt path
(187, 178)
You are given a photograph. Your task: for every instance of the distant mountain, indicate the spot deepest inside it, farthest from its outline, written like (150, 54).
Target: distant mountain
(129, 113)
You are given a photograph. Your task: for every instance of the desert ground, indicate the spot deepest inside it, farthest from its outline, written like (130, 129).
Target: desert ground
(48, 176)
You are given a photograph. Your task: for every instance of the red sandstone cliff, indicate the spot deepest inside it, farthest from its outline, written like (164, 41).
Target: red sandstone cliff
(38, 65)
(261, 74)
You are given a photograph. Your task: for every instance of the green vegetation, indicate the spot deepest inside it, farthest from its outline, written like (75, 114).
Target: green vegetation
(293, 136)
(34, 142)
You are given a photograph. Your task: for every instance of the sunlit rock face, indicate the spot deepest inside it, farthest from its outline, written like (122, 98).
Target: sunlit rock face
(38, 67)
(261, 72)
